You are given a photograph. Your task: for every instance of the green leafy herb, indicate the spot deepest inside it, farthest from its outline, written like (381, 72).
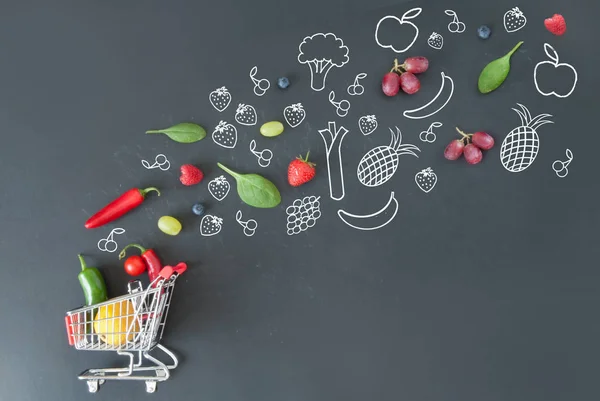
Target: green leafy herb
(255, 190)
(495, 73)
(182, 132)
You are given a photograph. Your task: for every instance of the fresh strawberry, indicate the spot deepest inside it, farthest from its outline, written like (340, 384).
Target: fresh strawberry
(294, 114)
(190, 175)
(225, 135)
(245, 114)
(300, 171)
(367, 124)
(220, 98)
(210, 225)
(556, 25)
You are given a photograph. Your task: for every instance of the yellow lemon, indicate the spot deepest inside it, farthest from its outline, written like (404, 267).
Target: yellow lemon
(113, 322)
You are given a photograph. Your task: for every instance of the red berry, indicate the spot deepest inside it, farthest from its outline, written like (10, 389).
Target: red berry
(483, 140)
(416, 65)
(556, 25)
(300, 171)
(390, 84)
(409, 83)
(473, 154)
(190, 175)
(454, 149)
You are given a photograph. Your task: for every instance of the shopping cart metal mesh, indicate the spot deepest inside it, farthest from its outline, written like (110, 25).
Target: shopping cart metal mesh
(127, 324)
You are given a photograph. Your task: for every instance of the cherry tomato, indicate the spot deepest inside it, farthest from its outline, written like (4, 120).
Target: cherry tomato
(135, 265)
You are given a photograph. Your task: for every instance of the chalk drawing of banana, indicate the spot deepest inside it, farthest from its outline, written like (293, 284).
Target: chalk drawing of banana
(373, 221)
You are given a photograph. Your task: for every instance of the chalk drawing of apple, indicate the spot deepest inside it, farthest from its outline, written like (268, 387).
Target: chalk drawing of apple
(567, 70)
(406, 31)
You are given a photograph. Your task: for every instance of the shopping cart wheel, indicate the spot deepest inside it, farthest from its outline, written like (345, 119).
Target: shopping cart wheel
(150, 386)
(93, 385)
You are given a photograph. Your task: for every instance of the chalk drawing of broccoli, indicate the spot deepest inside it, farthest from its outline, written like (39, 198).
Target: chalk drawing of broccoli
(322, 52)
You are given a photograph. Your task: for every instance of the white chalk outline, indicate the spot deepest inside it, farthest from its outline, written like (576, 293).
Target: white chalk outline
(430, 132)
(368, 118)
(164, 164)
(294, 108)
(109, 240)
(323, 65)
(514, 11)
(241, 109)
(263, 161)
(258, 83)
(222, 91)
(335, 134)
(455, 21)
(340, 110)
(554, 60)
(313, 211)
(246, 224)
(426, 172)
(434, 36)
(219, 129)
(345, 216)
(220, 180)
(356, 89)
(215, 220)
(558, 166)
(526, 149)
(377, 155)
(408, 113)
(406, 17)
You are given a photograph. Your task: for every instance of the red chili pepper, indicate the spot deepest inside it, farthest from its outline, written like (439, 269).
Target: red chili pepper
(150, 257)
(117, 208)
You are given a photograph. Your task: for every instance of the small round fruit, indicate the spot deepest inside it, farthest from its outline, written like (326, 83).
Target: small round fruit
(454, 149)
(409, 83)
(169, 225)
(283, 83)
(134, 265)
(198, 209)
(416, 65)
(483, 140)
(271, 129)
(484, 32)
(390, 84)
(473, 154)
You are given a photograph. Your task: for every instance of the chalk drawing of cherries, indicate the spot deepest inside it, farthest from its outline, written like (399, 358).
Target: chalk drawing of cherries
(409, 30)
(566, 70)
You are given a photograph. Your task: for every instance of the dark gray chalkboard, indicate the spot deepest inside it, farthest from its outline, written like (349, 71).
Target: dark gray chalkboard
(486, 288)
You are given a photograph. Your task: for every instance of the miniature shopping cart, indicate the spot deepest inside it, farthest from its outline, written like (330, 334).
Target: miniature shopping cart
(131, 325)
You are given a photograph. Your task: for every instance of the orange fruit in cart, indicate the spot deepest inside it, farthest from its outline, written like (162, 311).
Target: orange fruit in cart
(115, 323)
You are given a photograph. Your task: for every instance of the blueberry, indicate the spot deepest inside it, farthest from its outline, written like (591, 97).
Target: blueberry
(198, 209)
(283, 83)
(484, 31)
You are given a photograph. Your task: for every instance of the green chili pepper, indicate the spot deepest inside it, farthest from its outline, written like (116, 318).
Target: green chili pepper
(92, 283)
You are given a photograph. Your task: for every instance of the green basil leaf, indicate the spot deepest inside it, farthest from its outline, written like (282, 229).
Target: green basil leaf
(182, 132)
(495, 73)
(255, 190)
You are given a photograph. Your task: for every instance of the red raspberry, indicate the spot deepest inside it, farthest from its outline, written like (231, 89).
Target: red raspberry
(556, 25)
(190, 175)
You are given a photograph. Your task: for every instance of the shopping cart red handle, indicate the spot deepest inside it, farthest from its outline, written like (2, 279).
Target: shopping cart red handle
(168, 271)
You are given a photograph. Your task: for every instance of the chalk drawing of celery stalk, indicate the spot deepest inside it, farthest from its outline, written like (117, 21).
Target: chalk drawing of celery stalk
(333, 137)
(322, 52)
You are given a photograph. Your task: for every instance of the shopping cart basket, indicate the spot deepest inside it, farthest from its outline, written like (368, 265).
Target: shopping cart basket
(132, 325)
